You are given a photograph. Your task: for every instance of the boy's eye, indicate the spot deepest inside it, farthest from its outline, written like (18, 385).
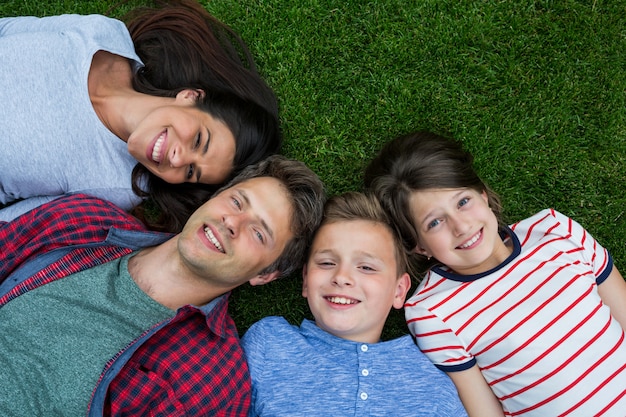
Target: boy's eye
(368, 268)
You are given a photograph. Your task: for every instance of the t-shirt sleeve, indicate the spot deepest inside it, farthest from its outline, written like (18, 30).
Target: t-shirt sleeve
(253, 345)
(436, 340)
(591, 251)
(30, 24)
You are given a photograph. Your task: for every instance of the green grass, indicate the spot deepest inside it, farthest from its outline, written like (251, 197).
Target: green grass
(535, 89)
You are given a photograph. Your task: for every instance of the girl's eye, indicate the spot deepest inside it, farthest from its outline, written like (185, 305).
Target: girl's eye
(259, 236)
(190, 172)
(463, 201)
(434, 223)
(196, 143)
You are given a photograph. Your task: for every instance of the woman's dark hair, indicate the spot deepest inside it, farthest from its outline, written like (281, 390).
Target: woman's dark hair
(257, 136)
(183, 46)
(421, 161)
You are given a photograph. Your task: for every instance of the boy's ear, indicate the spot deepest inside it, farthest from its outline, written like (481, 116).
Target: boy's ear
(304, 283)
(264, 278)
(402, 287)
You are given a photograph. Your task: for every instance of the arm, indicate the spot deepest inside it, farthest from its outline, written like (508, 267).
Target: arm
(613, 293)
(475, 394)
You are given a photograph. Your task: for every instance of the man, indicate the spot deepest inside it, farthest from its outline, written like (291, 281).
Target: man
(156, 319)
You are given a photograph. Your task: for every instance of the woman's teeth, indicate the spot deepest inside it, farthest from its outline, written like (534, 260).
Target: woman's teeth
(156, 151)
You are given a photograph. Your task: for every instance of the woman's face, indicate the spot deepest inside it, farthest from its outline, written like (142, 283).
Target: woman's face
(181, 143)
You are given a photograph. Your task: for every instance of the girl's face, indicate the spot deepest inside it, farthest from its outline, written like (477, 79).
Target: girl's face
(181, 143)
(457, 227)
(351, 279)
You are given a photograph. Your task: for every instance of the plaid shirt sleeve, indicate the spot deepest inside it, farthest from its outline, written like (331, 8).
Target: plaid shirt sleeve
(70, 220)
(195, 366)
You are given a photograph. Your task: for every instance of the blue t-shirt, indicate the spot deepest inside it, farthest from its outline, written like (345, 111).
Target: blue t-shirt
(305, 371)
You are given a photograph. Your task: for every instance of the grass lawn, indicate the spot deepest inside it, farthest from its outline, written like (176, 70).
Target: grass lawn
(535, 89)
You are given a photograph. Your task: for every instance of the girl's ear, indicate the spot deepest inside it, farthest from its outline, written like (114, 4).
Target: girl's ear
(421, 251)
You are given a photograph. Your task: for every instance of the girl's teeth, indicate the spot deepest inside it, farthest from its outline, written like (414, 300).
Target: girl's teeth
(470, 242)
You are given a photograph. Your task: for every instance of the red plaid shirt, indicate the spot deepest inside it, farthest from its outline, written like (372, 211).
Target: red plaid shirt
(191, 365)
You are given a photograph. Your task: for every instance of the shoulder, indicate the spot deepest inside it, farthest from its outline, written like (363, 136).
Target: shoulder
(266, 331)
(57, 24)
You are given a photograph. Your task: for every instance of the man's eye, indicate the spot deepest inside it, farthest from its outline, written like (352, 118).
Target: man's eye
(237, 203)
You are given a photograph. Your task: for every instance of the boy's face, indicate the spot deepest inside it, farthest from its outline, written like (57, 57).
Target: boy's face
(351, 279)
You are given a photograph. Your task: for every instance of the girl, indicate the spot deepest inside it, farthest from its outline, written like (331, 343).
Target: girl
(80, 109)
(528, 319)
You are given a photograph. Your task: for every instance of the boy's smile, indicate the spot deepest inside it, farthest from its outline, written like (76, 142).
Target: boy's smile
(351, 279)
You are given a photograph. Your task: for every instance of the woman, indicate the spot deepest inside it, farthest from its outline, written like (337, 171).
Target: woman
(101, 99)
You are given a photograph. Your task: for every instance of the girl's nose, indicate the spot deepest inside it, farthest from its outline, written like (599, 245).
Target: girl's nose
(460, 225)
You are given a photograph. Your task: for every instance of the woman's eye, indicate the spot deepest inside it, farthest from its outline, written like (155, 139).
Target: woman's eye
(196, 143)
(190, 172)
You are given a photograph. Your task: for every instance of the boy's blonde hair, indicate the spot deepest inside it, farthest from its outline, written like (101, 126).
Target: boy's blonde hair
(364, 206)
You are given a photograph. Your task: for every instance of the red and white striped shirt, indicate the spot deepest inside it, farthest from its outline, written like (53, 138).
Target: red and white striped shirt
(535, 325)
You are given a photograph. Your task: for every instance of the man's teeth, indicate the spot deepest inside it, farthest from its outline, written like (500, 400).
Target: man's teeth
(341, 300)
(209, 234)
(156, 151)
(471, 241)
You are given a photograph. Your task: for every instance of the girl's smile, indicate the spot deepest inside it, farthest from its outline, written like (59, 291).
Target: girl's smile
(458, 228)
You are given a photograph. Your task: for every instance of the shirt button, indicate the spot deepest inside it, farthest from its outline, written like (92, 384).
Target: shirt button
(365, 372)
(364, 348)
(364, 396)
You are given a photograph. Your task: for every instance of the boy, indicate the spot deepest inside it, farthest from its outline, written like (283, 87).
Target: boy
(337, 365)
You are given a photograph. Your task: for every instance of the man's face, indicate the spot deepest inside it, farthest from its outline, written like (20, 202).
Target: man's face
(237, 233)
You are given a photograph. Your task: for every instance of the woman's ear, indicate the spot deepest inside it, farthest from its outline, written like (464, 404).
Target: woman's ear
(191, 96)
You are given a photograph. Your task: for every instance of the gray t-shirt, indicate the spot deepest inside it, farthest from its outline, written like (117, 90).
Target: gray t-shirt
(55, 340)
(52, 142)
